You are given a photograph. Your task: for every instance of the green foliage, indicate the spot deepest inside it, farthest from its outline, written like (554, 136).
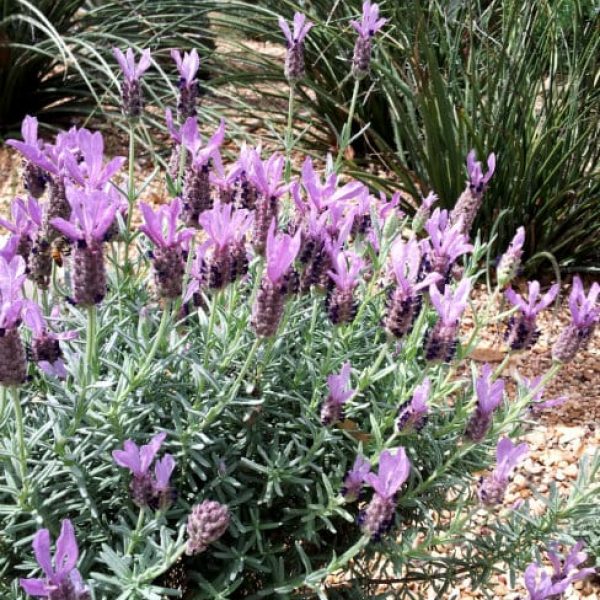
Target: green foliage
(56, 60)
(516, 78)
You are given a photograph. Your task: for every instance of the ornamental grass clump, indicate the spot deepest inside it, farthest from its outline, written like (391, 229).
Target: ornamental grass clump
(245, 395)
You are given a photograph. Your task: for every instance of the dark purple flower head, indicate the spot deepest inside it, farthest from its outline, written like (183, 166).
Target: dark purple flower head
(93, 212)
(406, 260)
(413, 413)
(585, 310)
(267, 175)
(355, 478)
(187, 65)
(282, 250)
(446, 241)
(347, 266)
(568, 568)
(26, 217)
(489, 395)
(138, 460)
(131, 70)
(62, 580)
(224, 225)
(451, 305)
(477, 180)
(161, 225)
(301, 27)
(370, 22)
(534, 305)
(393, 472)
(541, 587)
(192, 140)
(88, 169)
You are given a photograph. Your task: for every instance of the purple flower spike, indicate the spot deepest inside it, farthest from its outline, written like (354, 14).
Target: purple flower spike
(281, 251)
(511, 260)
(355, 478)
(138, 461)
(468, 204)
(413, 414)
(366, 28)
(167, 257)
(405, 300)
(585, 314)
(377, 518)
(542, 588)
(442, 342)
(341, 304)
(34, 177)
(522, 331)
(188, 84)
(332, 410)
(131, 92)
(568, 568)
(492, 489)
(446, 242)
(206, 524)
(62, 580)
(294, 61)
(489, 397)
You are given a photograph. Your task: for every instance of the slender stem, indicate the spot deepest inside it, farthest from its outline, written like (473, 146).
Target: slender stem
(134, 535)
(130, 190)
(211, 326)
(153, 573)
(91, 341)
(347, 129)
(181, 168)
(289, 133)
(20, 434)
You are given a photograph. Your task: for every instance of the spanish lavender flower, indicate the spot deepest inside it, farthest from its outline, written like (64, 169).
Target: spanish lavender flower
(45, 344)
(62, 580)
(314, 254)
(34, 177)
(469, 202)
(225, 180)
(511, 260)
(522, 332)
(138, 461)
(88, 168)
(294, 59)
(355, 478)
(585, 314)
(13, 365)
(341, 304)
(196, 185)
(26, 222)
(445, 244)
(281, 252)
(424, 211)
(489, 397)
(332, 409)
(367, 27)
(188, 84)
(542, 588)
(206, 524)
(93, 213)
(441, 341)
(413, 413)
(361, 214)
(167, 256)
(567, 568)
(247, 189)
(40, 261)
(492, 489)
(404, 301)
(226, 229)
(175, 132)
(537, 404)
(267, 177)
(163, 491)
(377, 518)
(132, 102)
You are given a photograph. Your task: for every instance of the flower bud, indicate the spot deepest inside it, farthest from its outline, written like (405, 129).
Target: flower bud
(206, 523)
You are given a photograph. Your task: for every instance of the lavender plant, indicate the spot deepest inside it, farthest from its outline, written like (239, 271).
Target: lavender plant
(303, 431)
